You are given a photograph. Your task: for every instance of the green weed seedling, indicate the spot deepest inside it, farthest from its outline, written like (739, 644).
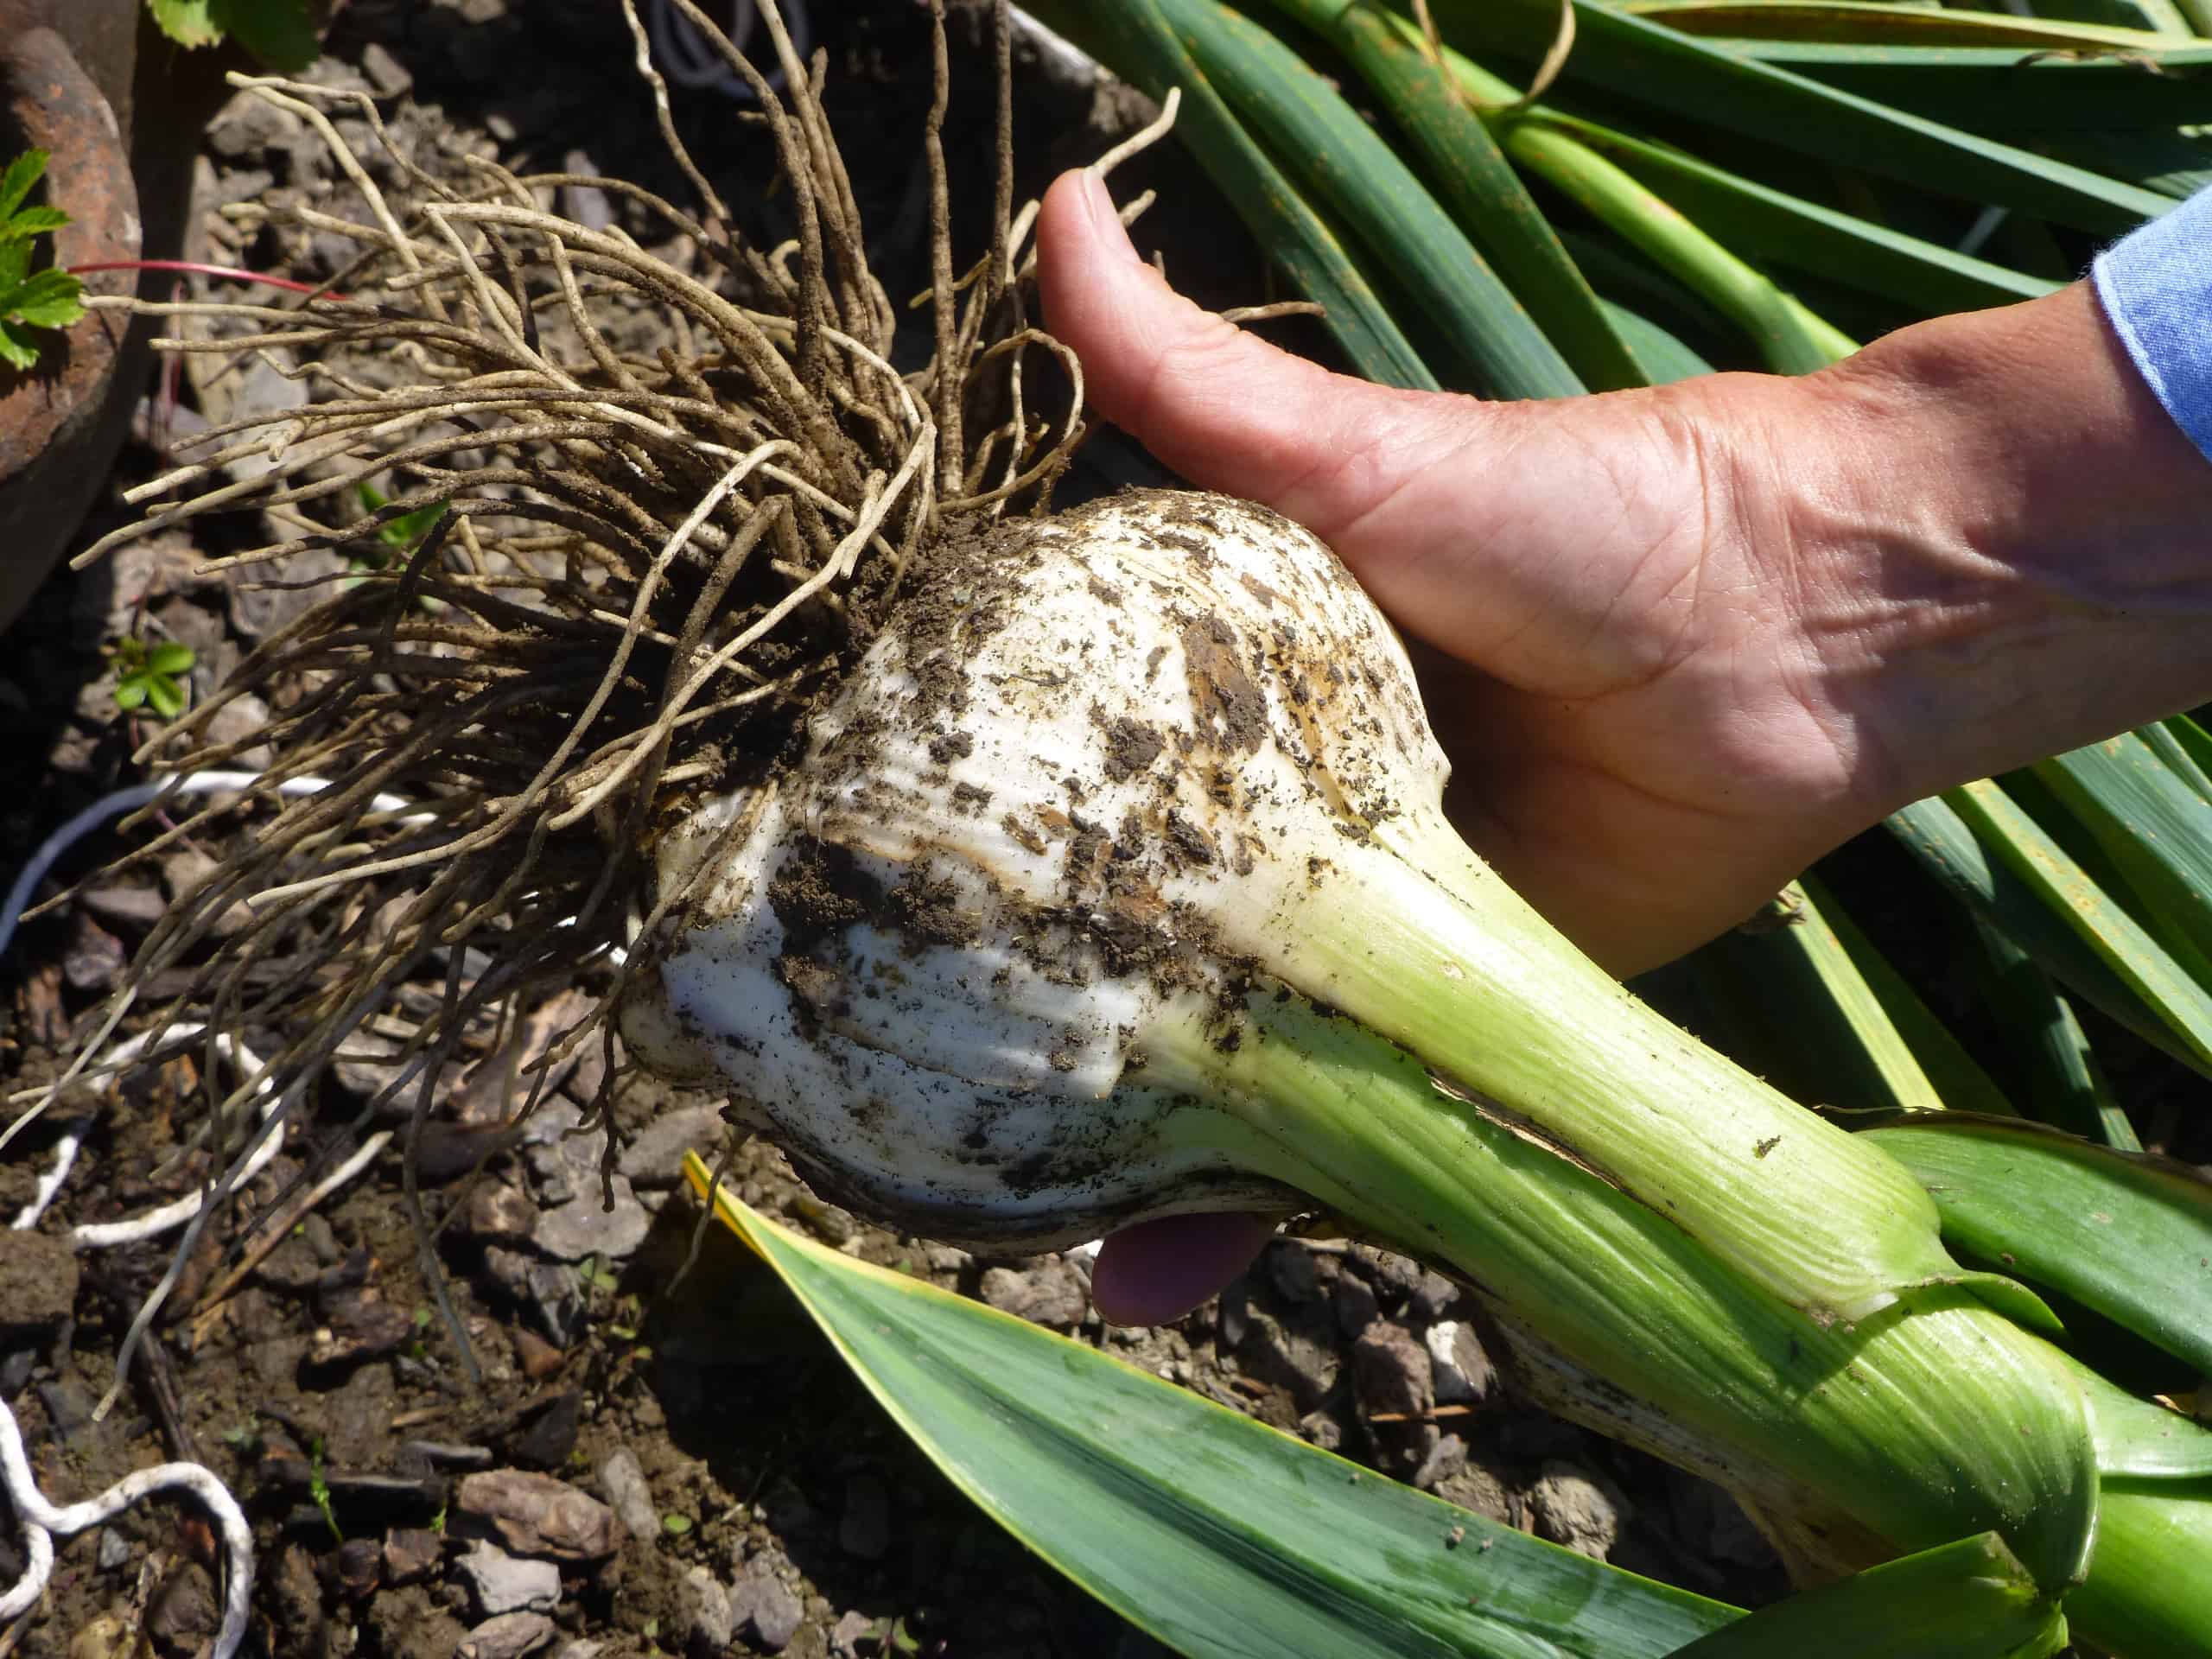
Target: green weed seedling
(152, 676)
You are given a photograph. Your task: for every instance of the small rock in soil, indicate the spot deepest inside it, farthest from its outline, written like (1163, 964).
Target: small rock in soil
(1433, 1297)
(763, 1609)
(360, 1567)
(183, 871)
(1463, 1371)
(93, 958)
(1298, 1272)
(243, 717)
(538, 1358)
(623, 1480)
(703, 1616)
(499, 1209)
(1394, 1277)
(107, 1636)
(586, 1226)
(386, 74)
(1390, 1372)
(410, 1554)
(1298, 1353)
(298, 1597)
(125, 906)
(1582, 1511)
(536, 1515)
(1447, 1458)
(848, 1633)
(38, 1284)
(358, 1324)
(549, 1435)
(864, 1529)
(1053, 1294)
(655, 1157)
(115, 1550)
(1353, 1299)
(184, 1613)
(551, 1288)
(508, 1637)
(1324, 1427)
(500, 1583)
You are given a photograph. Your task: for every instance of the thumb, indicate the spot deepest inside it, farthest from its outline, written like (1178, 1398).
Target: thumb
(1222, 407)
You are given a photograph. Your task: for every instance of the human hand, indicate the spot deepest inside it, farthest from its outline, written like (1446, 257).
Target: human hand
(1683, 641)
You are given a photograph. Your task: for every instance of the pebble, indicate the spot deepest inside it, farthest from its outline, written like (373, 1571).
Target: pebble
(864, 1529)
(126, 906)
(115, 1550)
(500, 1583)
(39, 1285)
(184, 1613)
(359, 1325)
(1390, 1372)
(410, 1553)
(360, 1567)
(1297, 1354)
(536, 1515)
(550, 1287)
(1447, 1458)
(386, 73)
(850, 1631)
(704, 1608)
(1054, 1294)
(1433, 1297)
(1584, 1512)
(623, 1480)
(1297, 1272)
(499, 1209)
(1353, 1299)
(538, 1358)
(654, 1158)
(508, 1637)
(1463, 1371)
(587, 204)
(585, 1226)
(767, 1612)
(93, 958)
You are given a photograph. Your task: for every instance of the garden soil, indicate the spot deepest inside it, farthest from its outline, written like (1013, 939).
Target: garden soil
(624, 1461)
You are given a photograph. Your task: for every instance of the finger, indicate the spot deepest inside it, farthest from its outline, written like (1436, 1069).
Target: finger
(1222, 407)
(1157, 1271)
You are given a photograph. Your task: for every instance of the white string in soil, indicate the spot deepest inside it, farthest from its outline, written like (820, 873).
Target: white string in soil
(43, 1521)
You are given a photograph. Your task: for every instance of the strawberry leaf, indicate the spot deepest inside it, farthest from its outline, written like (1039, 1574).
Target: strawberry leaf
(15, 183)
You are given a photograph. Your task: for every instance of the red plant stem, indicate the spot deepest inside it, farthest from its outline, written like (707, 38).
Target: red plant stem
(194, 267)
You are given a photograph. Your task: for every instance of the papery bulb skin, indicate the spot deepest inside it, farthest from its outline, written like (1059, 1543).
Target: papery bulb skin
(957, 958)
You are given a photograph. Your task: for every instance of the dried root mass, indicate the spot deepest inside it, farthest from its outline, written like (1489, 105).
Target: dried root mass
(642, 568)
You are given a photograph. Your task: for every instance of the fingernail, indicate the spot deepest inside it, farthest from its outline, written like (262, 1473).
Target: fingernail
(1098, 209)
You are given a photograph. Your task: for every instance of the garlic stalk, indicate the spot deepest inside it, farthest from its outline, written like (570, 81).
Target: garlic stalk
(978, 958)
(1114, 882)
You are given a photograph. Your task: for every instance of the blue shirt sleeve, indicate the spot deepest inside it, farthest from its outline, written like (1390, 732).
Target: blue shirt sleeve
(2156, 285)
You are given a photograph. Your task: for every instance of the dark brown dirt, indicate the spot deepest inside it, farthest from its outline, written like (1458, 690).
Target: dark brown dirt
(329, 1390)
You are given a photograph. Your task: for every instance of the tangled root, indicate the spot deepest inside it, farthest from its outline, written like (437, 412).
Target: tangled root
(641, 571)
